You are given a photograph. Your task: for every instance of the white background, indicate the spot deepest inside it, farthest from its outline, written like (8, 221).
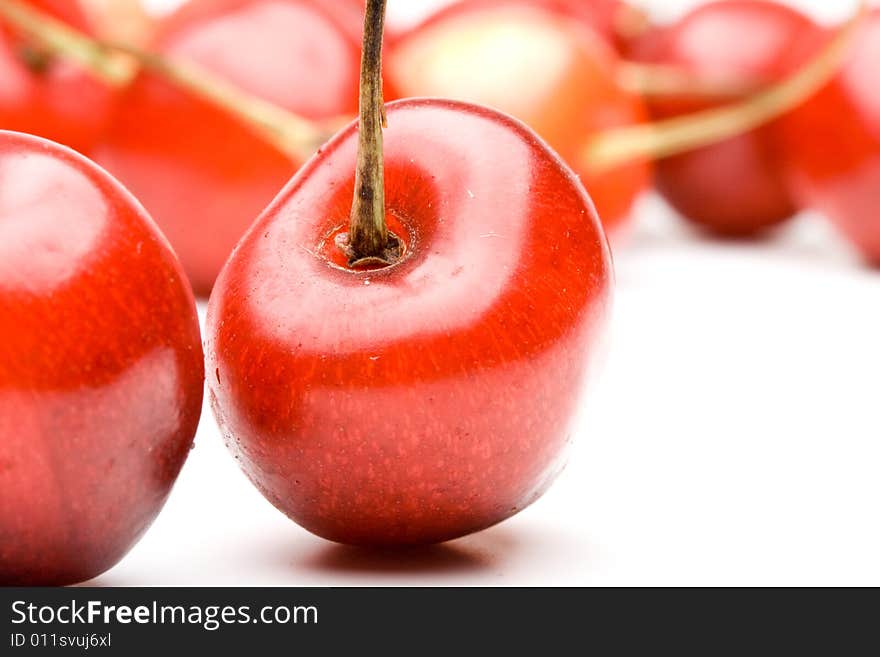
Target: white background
(733, 439)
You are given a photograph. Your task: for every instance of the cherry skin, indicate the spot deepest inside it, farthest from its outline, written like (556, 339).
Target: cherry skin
(200, 172)
(737, 187)
(833, 145)
(542, 68)
(49, 96)
(101, 370)
(431, 398)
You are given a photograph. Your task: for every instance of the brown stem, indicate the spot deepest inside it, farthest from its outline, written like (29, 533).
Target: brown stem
(60, 39)
(617, 147)
(369, 243)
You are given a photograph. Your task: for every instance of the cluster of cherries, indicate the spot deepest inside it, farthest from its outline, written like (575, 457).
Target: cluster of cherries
(533, 59)
(396, 347)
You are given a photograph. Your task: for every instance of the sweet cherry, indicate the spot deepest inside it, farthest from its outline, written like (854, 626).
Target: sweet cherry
(201, 172)
(833, 145)
(537, 65)
(735, 187)
(405, 371)
(46, 95)
(101, 370)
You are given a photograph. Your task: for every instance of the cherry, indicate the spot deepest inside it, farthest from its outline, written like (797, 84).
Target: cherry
(735, 187)
(200, 171)
(538, 66)
(101, 370)
(419, 384)
(46, 95)
(833, 145)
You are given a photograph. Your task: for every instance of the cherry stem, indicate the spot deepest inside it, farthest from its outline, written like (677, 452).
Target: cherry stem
(659, 80)
(289, 133)
(661, 139)
(61, 39)
(369, 242)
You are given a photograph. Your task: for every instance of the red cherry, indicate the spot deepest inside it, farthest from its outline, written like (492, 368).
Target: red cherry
(735, 187)
(50, 96)
(833, 145)
(202, 173)
(431, 398)
(538, 66)
(101, 370)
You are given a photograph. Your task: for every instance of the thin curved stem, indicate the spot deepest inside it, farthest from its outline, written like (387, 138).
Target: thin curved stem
(659, 80)
(63, 40)
(291, 134)
(115, 63)
(661, 139)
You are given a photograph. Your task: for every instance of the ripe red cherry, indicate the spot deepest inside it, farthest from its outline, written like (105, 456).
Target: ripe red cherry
(542, 68)
(431, 398)
(202, 173)
(736, 187)
(50, 96)
(833, 145)
(101, 370)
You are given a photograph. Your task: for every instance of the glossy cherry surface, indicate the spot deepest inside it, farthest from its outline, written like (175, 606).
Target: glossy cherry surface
(736, 187)
(833, 145)
(203, 174)
(540, 67)
(101, 370)
(49, 96)
(431, 398)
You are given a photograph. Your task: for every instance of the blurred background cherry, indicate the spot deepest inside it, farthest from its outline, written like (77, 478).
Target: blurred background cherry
(203, 174)
(832, 144)
(550, 71)
(49, 96)
(737, 187)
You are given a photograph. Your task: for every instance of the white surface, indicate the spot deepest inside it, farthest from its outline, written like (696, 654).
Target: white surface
(733, 439)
